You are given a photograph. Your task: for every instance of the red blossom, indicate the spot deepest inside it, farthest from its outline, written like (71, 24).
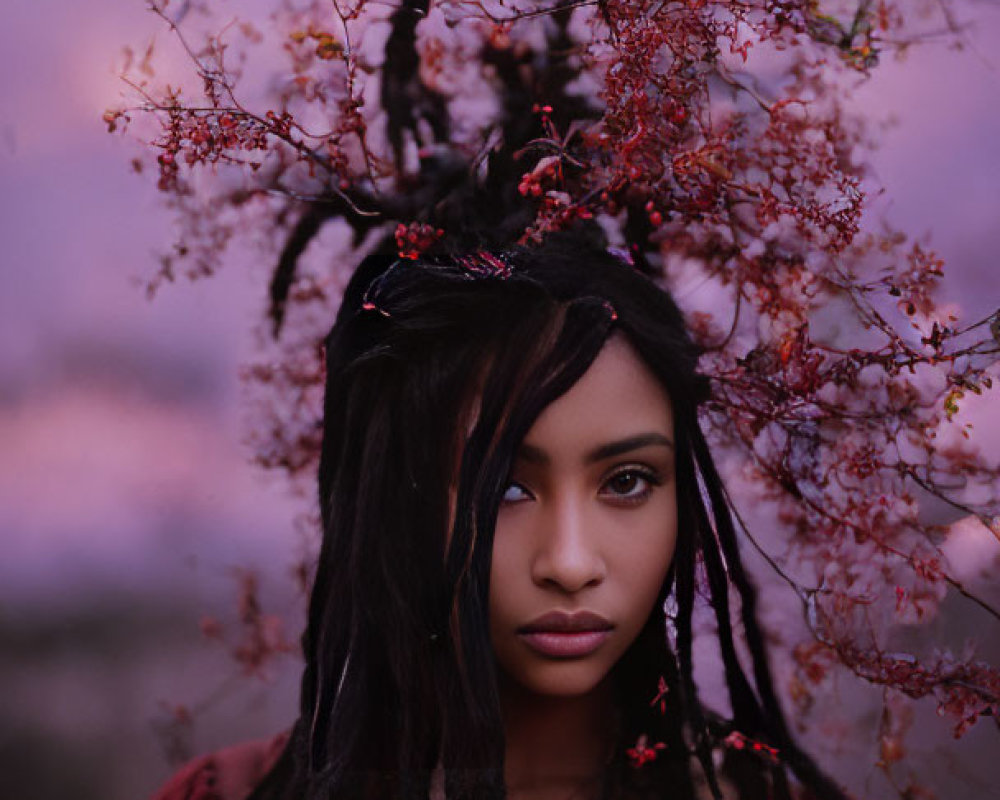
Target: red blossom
(416, 238)
(740, 742)
(643, 752)
(661, 693)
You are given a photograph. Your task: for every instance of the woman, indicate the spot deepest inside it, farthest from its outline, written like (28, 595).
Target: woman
(518, 512)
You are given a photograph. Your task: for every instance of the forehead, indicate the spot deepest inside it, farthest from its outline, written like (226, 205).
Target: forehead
(617, 396)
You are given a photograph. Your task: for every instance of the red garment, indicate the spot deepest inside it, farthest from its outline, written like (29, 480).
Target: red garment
(227, 774)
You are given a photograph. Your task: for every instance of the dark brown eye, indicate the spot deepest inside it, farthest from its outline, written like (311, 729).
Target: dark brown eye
(624, 482)
(629, 484)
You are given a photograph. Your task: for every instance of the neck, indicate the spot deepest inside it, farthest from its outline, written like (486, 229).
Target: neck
(557, 747)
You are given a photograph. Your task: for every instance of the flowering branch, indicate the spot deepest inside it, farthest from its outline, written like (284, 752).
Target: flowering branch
(656, 120)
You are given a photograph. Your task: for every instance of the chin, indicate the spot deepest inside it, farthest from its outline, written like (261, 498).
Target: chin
(563, 678)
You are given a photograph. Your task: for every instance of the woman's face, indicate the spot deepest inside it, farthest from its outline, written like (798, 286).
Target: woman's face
(586, 530)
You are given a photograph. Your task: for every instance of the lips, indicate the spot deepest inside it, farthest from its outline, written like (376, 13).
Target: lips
(559, 634)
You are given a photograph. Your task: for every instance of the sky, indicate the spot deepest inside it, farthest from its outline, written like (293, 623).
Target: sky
(118, 415)
(123, 468)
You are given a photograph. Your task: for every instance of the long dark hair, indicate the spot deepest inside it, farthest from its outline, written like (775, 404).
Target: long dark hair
(436, 369)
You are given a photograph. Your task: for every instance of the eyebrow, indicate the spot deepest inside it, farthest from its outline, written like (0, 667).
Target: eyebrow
(536, 455)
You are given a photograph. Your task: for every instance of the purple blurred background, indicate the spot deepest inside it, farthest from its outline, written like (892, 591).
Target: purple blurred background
(126, 497)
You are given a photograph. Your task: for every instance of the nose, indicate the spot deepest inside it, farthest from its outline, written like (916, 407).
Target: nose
(567, 555)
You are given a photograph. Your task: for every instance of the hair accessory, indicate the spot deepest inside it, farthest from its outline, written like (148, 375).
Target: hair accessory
(483, 264)
(670, 611)
(611, 310)
(370, 306)
(373, 289)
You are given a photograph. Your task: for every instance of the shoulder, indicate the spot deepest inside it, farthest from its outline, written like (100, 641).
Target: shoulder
(227, 774)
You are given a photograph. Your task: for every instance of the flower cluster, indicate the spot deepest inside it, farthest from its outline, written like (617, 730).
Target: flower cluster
(643, 751)
(965, 690)
(740, 742)
(416, 238)
(210, 138)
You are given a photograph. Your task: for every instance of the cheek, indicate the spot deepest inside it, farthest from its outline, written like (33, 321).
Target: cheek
(642, 559)
(513, 597)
